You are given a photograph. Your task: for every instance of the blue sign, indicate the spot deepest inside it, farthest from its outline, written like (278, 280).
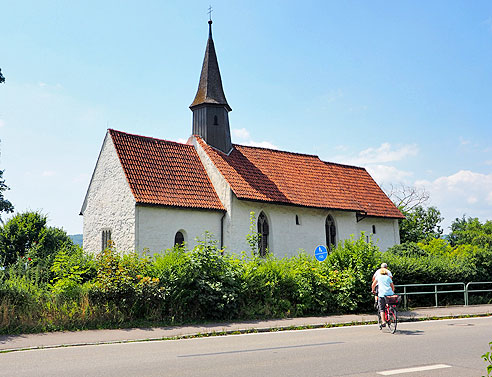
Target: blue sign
(321, 253)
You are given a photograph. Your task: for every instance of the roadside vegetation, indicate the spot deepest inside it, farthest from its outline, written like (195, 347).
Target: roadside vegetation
(48, 283)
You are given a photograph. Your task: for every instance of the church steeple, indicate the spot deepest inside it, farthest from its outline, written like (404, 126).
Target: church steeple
(210, 107)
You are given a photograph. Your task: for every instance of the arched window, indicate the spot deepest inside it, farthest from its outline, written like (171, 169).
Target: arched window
(331, 233)
(106, 239)
(263, 231)
(216, 121)
(179, 239)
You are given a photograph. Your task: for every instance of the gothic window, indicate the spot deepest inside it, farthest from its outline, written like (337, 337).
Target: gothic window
(298, 222)
(179, 239)
(374, 229)
(263, 231)
(216, 121)
(106, 238)
(331, 233)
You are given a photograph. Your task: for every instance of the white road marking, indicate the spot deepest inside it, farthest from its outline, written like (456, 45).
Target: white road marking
(414, 369)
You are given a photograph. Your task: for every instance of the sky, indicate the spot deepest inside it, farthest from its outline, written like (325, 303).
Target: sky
(402, 88)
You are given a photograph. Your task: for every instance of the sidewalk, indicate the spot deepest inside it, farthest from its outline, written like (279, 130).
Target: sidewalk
(87, 337)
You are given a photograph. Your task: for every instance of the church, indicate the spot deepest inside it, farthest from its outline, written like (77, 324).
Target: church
(148, 194)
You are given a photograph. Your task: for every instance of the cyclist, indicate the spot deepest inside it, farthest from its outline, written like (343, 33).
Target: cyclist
(385, 288)
(383, 265)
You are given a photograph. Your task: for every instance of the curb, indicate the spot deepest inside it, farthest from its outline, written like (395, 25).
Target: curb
(405, 317)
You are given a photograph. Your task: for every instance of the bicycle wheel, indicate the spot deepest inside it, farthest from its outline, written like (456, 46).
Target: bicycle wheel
(379, 320)
(392, 320)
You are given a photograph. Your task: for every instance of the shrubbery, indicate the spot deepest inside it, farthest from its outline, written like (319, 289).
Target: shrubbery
(70, 289)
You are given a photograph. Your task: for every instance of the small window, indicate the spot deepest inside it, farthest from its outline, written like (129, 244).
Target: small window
(298, 222)
(331, 233)
(263, 230)
(374, 229)
(216, 121)
(106, 238)
(179, 239)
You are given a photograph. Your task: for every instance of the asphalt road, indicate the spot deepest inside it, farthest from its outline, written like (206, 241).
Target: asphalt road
(433, 348)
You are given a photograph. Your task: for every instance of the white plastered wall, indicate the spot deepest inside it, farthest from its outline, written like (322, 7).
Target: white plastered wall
(157, 226)
(109, 203)
(387, 231)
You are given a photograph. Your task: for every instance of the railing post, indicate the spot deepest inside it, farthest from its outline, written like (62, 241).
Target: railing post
(466, 293)
(405, 297)
(435, 290)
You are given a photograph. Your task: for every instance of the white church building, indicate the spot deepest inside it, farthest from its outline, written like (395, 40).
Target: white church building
(150, 194)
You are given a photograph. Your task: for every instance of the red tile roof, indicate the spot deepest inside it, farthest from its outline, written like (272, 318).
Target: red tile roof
(298, 179)
(164, 172)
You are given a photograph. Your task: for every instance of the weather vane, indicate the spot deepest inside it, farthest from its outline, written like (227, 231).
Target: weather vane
(210, 12)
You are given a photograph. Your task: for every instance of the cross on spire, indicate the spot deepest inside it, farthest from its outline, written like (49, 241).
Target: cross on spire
(210, 13)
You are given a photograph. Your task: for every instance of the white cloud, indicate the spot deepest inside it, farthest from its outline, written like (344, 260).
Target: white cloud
(240, 133)
(48, 173)
(262, 144)
(2, 123)
(383, 154)
(245, 139)
(462, 193)
(388, 174)
(386, 153)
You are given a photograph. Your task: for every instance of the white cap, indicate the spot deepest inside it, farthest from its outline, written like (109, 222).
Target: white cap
(384, 265)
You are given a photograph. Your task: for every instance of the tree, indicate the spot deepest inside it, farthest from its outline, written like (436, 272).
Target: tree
(26, 235)
(470, 231)
(407, 198)
(420, 224)
(2, 79)
(5, 205)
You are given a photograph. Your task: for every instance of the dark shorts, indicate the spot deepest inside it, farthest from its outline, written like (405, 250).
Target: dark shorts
(381, 303)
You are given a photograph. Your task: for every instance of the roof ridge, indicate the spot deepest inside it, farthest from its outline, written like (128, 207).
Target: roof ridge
(344, 165)
(146, 137)
(278, 150)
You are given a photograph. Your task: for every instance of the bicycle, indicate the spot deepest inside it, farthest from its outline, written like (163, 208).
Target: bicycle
(390, 313)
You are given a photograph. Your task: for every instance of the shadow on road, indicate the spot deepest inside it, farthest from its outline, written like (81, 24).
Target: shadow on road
(409, 332)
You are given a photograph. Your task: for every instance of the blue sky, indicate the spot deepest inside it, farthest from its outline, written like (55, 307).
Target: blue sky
(402, 88)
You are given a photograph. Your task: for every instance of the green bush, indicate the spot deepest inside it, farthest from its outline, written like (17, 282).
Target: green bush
(351, 267)
(200, 284)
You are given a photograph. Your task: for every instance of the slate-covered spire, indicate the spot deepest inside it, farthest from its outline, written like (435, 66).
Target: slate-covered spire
(210, 89)
(210, 107)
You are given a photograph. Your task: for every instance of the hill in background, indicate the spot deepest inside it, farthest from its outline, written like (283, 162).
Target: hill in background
(76, 239)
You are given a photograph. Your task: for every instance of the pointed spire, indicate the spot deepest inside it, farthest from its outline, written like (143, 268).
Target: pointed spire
(210, 89)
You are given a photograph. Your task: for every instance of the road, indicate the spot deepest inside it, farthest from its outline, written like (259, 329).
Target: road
(451, 347)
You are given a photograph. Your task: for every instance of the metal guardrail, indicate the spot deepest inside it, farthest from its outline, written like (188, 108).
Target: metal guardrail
(435, 292)
(468, 290)
(464, 288)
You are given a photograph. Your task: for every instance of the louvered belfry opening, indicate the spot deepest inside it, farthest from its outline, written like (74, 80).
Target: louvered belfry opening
(263, 230)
